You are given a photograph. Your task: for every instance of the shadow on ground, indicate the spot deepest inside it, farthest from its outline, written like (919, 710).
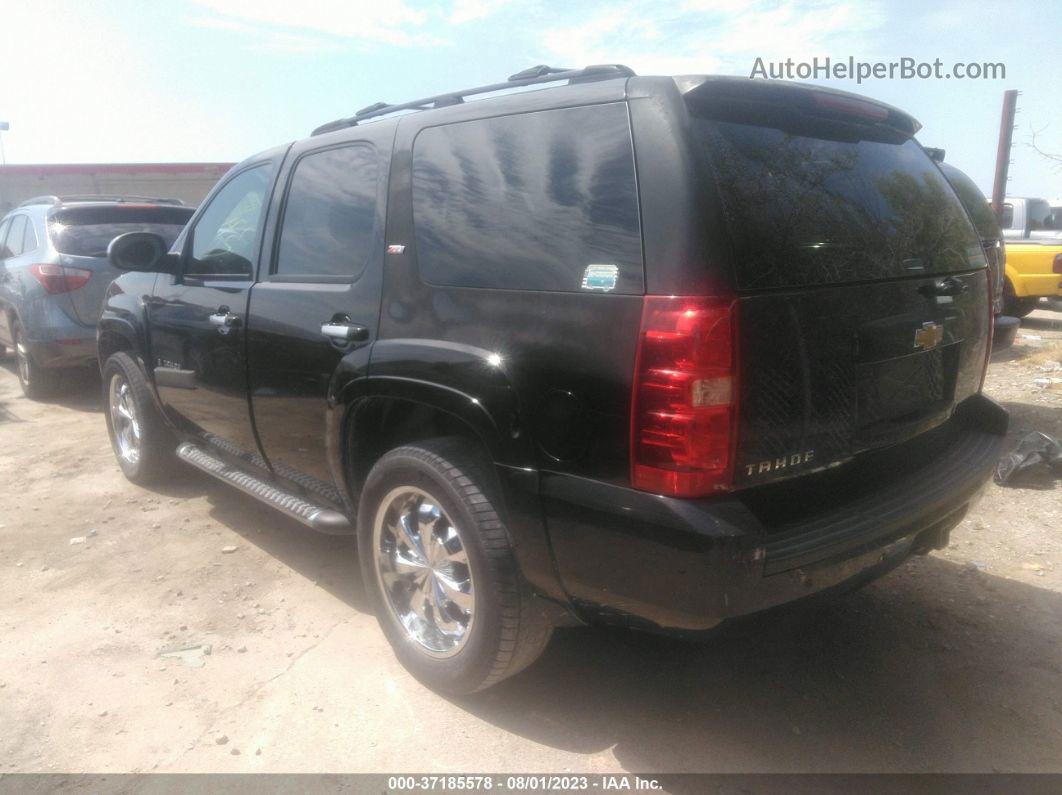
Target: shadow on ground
(78, 389)
(938, 667)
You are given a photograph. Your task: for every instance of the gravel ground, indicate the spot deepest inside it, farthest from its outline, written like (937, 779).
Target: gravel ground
(148, 646)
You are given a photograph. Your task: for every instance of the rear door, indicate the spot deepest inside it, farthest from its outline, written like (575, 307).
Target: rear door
(316, 306)
(863, 296)
(197, 319)
(80, 234)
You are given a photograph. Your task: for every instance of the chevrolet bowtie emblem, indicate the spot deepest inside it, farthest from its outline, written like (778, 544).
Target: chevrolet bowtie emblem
(929, 336)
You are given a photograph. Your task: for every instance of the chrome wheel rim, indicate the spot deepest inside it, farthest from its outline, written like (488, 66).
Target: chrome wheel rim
(422, 568)
(22, 357)
(125, 426)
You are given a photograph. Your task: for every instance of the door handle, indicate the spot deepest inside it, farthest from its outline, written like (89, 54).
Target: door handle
(947, 286)
(225, 319)
(344, 332)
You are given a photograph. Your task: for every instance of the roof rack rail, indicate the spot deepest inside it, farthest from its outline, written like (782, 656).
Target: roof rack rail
(107, 197)
(98, 197)
(40, 200)
(527, 77)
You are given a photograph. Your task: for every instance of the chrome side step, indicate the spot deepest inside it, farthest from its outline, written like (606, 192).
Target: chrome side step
(323, 520)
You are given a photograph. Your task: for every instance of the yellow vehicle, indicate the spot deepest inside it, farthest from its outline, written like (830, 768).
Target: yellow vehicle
(1033, 271)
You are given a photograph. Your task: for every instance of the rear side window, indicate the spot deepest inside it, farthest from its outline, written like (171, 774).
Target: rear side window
(29, 240)
(15, 235)
(813, 211)
(537, 201)
(87, 231)
(5, 252)
(330, 214)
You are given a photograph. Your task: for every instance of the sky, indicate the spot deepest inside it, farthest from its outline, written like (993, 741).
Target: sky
(218, 80)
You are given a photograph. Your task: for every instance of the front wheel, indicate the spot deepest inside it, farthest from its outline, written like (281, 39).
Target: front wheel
(438, 566)
(141, 442)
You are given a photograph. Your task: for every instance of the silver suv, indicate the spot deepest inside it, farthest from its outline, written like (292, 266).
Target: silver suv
(54, 272)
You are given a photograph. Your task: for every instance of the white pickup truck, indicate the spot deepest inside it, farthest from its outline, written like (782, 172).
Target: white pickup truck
(1031, 219)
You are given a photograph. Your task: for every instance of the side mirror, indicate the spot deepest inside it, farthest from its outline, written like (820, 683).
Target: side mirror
(141, 251)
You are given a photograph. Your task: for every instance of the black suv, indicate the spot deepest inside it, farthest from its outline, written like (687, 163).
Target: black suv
(649, 351)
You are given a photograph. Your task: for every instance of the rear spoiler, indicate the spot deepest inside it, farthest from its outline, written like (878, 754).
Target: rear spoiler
(794, 106)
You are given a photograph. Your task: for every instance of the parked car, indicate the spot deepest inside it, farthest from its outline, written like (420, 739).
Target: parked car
(1034, 271)
(1005, 327)
(1030, 219)
(54, 271)
(649, 351)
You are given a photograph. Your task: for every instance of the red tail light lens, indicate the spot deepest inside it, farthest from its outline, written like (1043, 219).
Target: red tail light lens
(1056, 266)
(684, 402)
(60, 278)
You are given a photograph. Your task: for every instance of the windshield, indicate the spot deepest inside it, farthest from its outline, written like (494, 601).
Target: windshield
(808, 211)
(87, 231)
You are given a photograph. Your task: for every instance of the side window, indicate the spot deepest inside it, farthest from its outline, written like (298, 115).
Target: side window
(14, 237)
(537, 201)
(5, 252)
(225, 235)
(1008, 216)
(330, 214)
(29, 240)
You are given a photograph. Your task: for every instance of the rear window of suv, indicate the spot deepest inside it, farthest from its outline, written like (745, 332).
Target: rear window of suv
(806, 211)
(534, 201)
(87, 231)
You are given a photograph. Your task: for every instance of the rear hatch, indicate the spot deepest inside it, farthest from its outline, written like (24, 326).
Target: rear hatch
(81, 234)
(862, 290)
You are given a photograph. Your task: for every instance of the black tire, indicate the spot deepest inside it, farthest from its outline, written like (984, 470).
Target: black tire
(509, 628)
(155, 454)
(36, 382)
(1017, 307)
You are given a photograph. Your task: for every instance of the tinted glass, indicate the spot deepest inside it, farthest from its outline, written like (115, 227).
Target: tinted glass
(225, 236)
(1037, 211)
(14, 236)
(974, 201)
(529, 202)
(806, 211)
(4, 250)
(29, 240)
(330, 214)
(87, 231)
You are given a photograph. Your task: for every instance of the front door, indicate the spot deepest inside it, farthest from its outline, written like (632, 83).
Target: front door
(197, 319)
(314, 310)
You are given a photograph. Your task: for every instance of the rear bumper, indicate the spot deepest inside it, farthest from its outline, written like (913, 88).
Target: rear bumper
(687, 565)
(64, 352)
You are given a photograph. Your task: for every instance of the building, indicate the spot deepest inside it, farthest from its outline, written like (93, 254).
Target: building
(186, 181)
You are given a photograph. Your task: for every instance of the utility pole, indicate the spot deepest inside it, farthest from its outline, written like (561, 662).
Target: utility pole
(1006, 132)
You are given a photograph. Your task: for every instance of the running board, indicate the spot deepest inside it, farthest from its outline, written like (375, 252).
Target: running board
(323, 520)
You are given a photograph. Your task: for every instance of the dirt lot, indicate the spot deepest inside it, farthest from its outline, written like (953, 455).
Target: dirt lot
(951, 663)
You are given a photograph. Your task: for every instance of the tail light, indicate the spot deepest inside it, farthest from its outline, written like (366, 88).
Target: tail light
(684, 401)
(1056, 266)
(60, 278)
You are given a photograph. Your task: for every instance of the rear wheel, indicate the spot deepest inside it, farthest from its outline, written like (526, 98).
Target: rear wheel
(36, 382)
(437, 563)
(141, 442)
(1017, 307)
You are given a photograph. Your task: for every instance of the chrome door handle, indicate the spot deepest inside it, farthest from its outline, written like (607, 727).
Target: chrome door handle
(344, 332)
(225, 319)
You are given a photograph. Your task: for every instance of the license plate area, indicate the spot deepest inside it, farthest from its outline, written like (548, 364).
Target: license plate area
(892, 394)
